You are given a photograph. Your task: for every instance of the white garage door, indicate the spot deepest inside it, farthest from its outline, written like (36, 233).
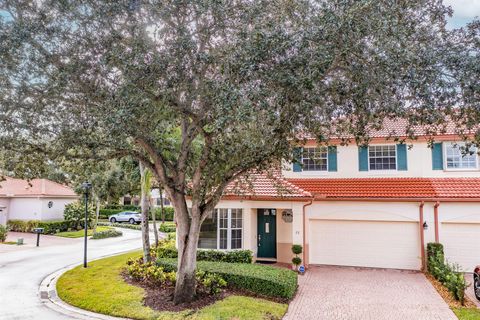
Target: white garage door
(461, 243)
(365, 244)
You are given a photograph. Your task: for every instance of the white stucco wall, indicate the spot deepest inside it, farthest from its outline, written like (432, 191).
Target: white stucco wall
(56, 211)
(37, 208)
(419, 162)
(4, 204)
(25, 209)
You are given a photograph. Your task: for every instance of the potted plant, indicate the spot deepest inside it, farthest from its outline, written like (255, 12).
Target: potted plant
(296, 261)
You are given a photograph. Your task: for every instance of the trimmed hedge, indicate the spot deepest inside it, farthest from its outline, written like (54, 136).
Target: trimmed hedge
(105, 213)
(121, 225)
(447, 273)
(167, 249)
(107, 234)
(264, 280)
(122, 207)
(167, 227)
(50, 227)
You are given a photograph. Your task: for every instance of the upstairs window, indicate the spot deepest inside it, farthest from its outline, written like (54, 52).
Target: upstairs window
(458, 157)
(315, 159)
(382, 157)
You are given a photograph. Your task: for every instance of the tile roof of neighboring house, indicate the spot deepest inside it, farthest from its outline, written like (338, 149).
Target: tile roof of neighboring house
(389, 188)
(398, 128)
(264, 186)
(34, 188)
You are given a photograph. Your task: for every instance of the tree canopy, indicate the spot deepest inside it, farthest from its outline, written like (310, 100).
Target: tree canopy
(202, 91)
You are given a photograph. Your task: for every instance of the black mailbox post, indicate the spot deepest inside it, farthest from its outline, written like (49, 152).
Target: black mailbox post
(38, 231)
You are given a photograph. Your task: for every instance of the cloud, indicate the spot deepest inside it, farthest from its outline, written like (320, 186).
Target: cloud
(464, 8)
(464, 11)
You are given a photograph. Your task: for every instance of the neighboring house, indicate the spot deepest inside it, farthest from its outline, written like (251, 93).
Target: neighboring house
(374, 206)
(38, 199)
(155, 199)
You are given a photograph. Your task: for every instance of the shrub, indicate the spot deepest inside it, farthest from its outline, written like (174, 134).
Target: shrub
(211, 283)
(297, 249)
(50, 227)
(107, 234)
(447, 273)
(149, 273)
(169, 213)
(105, 213)
(3, 233)
(121, 225)
(166, 249)
(264, 280)
(296, 261)
(121, 207)
(167, 227)
(75, 212)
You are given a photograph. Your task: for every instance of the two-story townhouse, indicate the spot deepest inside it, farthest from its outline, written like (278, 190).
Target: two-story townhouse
(374, 206)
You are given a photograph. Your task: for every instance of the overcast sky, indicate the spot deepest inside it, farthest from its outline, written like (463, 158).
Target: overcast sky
(463, 11)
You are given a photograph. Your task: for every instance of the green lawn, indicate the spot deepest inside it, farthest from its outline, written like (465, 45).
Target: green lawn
(100, 288)
(79, 233)
(467, 313)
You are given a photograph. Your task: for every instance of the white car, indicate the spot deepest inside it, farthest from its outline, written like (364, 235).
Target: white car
(126, 216)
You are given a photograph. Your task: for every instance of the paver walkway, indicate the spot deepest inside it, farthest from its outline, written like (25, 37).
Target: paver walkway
(339, 293)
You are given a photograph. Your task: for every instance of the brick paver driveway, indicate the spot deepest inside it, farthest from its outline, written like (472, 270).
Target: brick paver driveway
(369, 294)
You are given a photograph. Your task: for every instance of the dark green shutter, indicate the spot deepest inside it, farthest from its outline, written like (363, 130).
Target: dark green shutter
(297, 159)
(402, 157)
(332, 158)
(363, 158)
(437, 156)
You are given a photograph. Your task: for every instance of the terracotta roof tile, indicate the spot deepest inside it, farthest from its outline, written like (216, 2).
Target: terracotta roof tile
(264, 186)
(36, 187)
(381, 188)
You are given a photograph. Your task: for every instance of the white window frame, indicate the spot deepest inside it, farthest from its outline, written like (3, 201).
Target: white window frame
(229, 229)
(459, 144)
(383, 170)
(326, 158)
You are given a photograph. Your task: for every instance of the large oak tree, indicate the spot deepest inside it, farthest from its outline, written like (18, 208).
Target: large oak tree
(202, 91)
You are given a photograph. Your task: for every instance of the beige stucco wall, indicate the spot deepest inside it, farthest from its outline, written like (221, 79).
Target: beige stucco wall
(284, 238)
(419, 161)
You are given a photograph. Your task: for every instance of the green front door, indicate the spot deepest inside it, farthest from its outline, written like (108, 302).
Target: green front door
(267, 233)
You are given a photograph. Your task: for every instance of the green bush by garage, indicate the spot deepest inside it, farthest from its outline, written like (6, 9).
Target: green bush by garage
(260, 279)
(447, 273)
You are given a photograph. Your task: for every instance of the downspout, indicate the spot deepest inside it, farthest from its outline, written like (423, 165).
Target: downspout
(422, 236)
(305, 255)
(435, 217)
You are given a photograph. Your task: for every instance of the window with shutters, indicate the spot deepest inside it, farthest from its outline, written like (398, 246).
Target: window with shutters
(382, 157)
(458, 156)
(315, 159)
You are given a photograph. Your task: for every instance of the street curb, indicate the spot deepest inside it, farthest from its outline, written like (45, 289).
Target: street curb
(47, 293)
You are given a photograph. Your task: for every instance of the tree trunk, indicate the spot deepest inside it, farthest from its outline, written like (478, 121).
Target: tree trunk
(145, 208)
(97, 214)
(154, 221)
(161, 204)
(187, 242)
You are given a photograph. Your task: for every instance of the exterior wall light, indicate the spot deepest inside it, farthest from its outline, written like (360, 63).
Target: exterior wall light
(425, 226)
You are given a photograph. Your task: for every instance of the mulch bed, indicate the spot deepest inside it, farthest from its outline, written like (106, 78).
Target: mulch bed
(161, 298)
(447, 295)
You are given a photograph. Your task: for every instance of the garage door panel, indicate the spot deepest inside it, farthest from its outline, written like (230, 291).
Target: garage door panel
(461, 244)
(364, 243)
